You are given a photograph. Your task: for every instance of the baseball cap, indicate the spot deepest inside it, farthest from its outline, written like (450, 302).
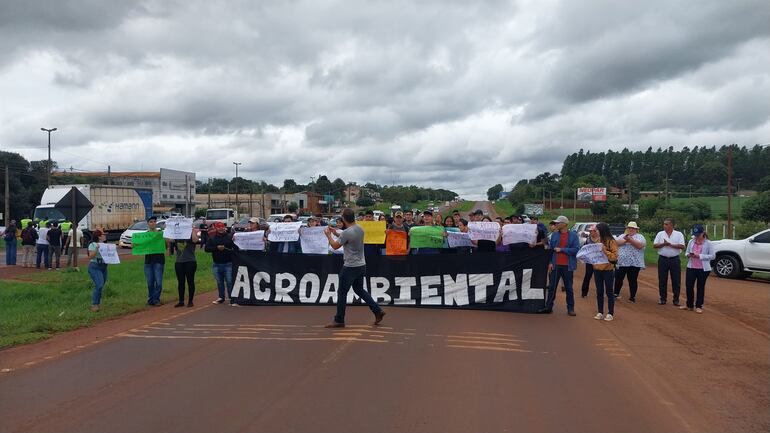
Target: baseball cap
(561, 219)
(253, 220)
(219, 225)
(698, 229)
(152, 218)
(632, 225)
(399, 214)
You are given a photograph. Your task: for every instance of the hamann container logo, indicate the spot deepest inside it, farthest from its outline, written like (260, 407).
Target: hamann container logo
(113, 206)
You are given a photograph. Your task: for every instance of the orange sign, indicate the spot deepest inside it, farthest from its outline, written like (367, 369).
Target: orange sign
(395, 243)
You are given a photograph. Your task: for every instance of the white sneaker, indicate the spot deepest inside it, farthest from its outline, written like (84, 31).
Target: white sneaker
(608, 318)
(699, 310)
(218, 301)
(599, 316)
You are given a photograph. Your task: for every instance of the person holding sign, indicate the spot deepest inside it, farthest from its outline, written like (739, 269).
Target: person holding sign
(353, 269)
(97, 269)
(185, 267)
(565, 245)
(288, 247)
(221, 247)
(153, 268)
(604, 273)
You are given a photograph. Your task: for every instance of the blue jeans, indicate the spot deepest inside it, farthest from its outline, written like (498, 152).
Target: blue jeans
(353, 277)
(98, 274)
(604, 283)
(154, 275)
(223, 274)
(10, 252)
(563, 272)
(42, 251)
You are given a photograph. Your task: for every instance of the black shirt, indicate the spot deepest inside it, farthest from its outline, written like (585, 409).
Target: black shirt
(54, 237)
(486, 246)
(224, 256)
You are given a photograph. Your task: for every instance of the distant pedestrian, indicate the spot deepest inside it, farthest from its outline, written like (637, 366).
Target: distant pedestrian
(28, 241)
(42, 248)
(97, 269)
(74, 232)
(221, 247)
(604, 274)
(10, 244)
(154, 265)
(669, 244)
(54, 246)
(354, 268)
(631, 247)
(565, 245)
(699, 254)
(185, 268)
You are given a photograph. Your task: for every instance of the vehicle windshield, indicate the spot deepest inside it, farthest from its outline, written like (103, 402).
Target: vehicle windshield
(216, 215)
(139, 225)
(48, 213)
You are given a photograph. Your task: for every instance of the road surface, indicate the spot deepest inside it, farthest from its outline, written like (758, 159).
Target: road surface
(275, 369)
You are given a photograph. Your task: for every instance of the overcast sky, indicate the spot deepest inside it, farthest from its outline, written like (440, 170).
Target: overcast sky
(460, 95)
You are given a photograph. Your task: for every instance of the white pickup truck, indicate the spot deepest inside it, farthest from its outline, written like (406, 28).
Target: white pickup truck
(739, 258)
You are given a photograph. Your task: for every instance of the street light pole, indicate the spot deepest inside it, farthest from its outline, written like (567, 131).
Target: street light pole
(236, 187)
(49, 131)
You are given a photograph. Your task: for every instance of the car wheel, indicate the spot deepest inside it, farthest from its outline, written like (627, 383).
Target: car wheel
(727, 266)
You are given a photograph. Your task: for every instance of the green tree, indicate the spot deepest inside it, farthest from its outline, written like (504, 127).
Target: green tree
(293, 206)
(493, 193)
(757, 208)
(764, 184)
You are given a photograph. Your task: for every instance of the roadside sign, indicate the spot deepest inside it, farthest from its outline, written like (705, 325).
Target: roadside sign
(592, 194)
(81, 208)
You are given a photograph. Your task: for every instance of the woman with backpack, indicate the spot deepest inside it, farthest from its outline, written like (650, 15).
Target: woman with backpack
(604, 274)
(28, 240)
(97, 269)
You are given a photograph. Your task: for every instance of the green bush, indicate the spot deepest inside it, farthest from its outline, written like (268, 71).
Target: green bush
(757, 208)
(744, 229)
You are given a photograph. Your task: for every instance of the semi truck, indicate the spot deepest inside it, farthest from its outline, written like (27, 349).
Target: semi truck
(115, 208)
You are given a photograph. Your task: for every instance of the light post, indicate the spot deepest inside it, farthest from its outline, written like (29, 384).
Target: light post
(49, 131)
(236, 187)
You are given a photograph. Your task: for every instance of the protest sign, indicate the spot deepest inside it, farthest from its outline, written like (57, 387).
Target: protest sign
(396, 243)
(426, 237)
(2, 230)
(148, 243)
(178, 228)
(284, 232)
(250, 241)
(517, 233)
(109, 253)
(503, 282)
(313, 240)
(457, 239)
(481, 230)
(374, 231)
(592, 254)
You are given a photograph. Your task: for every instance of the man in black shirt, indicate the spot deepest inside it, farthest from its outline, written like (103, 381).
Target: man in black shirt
(54, 245)
(221, 246)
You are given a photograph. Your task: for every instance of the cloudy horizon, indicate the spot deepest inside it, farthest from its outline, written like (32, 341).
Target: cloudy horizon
(455, 95)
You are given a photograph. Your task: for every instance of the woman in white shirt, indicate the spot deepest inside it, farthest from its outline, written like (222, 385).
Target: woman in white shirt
(699, 254)
(630, 260)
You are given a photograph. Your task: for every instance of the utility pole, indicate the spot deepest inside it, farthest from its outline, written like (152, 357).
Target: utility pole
(730, 192)
(236, 187)
(49, 131)
(187, 202)
(666, 187)
(251, 199)
(209, 193)
(7, 214)
(109, 175)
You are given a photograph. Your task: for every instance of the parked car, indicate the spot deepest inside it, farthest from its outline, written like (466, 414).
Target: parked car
(241, 225)
(739, 258)
(137, 227)
(581, 228)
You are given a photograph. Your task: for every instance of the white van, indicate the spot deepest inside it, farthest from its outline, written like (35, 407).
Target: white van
(378, 214)
(226, 216)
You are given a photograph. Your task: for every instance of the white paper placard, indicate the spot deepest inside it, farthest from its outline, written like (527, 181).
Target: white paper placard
(313, 240)
(340, 250)
(2, 230)
(250, 241)
(284, 232)
(178, 228)
(592, 254)
(109, 253)
(517, 233)
(483, 230)
(457, 239)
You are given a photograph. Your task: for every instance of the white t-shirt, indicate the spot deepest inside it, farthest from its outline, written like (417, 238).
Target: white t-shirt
(42, 239)
(676, 238)
(71, 238)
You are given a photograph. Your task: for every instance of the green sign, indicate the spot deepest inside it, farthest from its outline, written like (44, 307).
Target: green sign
(426, 237)
(148, 243)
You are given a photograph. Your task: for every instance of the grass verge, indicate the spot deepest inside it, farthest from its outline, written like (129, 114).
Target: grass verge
(52, 302)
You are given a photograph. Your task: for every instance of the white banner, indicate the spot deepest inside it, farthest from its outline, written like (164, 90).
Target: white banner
(109, 253)
(2, 230)
(250, 241)
(313, 240)
(284, 232)
(457, 239)
(178, 228)
(481, 230)
(517, 233)
(592, 254)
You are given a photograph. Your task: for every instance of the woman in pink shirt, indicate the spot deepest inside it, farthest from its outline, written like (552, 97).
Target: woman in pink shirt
(699, 254)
